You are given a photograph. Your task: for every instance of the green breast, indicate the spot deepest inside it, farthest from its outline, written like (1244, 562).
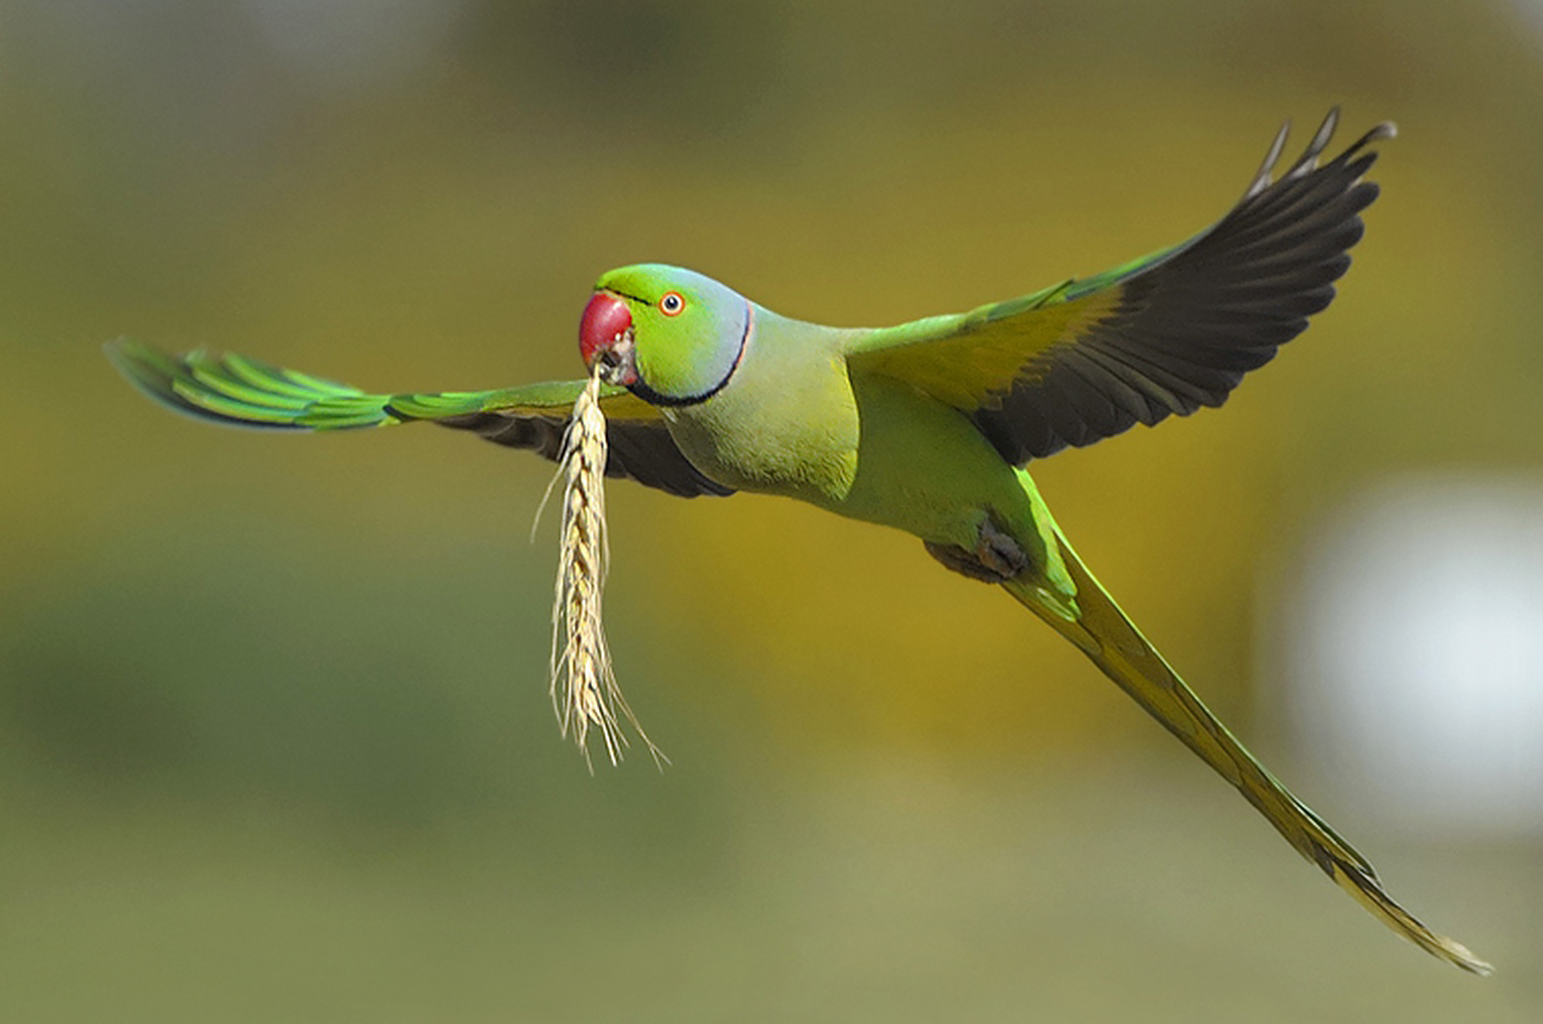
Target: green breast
(786, 423)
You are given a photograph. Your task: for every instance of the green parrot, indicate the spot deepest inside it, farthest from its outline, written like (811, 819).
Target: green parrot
(925, 426)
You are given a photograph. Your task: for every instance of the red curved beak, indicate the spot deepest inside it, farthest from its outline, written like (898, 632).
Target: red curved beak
(605, 335)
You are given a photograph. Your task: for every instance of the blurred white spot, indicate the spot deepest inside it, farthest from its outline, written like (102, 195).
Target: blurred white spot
(1531, 12)
(353, 42)
(1414, 653)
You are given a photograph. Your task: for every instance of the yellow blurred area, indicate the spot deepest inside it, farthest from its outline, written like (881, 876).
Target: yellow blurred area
(274, 741)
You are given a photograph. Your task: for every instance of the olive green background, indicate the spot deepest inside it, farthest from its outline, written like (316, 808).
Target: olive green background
(274, 737)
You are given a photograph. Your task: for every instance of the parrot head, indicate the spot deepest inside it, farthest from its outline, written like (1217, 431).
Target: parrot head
(671, 336)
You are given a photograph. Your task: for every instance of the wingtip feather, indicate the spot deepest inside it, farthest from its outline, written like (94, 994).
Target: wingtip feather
(243, 392)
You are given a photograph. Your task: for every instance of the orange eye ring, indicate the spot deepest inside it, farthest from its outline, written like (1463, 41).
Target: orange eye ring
(671, 304)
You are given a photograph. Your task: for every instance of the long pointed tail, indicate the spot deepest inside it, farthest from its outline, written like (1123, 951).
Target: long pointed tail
(1117, 647)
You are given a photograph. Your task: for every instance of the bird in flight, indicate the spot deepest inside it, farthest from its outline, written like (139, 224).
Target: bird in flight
(925, 426)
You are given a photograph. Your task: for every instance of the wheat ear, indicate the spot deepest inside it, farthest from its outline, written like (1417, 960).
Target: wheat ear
(584, 689)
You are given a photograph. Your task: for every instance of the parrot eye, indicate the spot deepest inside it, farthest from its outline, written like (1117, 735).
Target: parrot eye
(671, 304)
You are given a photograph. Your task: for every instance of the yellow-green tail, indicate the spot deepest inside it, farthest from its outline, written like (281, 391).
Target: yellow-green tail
(1117, 647)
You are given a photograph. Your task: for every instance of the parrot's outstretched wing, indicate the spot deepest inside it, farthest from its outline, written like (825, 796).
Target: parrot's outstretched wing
(238, 390)
(1168, 333)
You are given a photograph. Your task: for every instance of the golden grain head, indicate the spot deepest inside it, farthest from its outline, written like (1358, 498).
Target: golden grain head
(584, 689)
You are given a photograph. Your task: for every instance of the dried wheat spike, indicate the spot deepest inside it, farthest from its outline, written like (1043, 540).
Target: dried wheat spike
(584, 690)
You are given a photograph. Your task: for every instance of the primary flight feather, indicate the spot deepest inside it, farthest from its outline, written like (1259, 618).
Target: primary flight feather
(925, 426)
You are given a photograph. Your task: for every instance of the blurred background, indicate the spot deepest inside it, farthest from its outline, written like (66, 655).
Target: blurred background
(275, 742)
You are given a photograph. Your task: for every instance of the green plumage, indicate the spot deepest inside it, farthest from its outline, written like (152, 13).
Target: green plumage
(927, 426)
(246, 392)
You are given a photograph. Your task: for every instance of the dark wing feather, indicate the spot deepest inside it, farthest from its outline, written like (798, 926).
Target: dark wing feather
(1166, 334)
(641, 450)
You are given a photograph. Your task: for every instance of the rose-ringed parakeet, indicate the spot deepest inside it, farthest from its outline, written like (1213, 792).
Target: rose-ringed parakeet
(925, 426)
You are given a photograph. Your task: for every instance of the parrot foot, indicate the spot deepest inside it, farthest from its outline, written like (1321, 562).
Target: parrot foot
(997, 557)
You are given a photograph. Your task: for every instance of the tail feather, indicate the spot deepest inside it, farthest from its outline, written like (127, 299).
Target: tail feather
(1103, 632)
